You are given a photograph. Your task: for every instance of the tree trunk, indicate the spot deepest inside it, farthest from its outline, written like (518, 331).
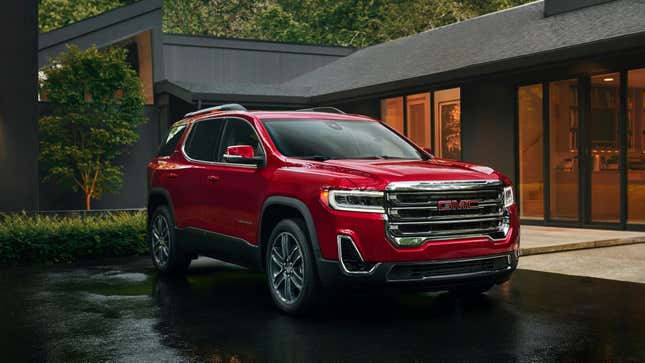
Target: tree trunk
(88, 201)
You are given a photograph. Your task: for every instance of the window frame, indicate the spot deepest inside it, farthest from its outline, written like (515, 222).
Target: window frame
(165, 142)
(220, 144)
(188, 139)
(225, 120)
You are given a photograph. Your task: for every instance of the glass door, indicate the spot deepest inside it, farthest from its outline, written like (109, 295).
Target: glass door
(564, 151)
(605, 149)
(594, 150)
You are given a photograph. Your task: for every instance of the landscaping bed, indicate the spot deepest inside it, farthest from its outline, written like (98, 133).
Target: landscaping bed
(26, 238)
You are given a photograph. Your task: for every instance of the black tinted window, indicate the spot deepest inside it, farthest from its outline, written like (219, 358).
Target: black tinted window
(171, 141)
(338, 139)
(240, 132)
(203, 138)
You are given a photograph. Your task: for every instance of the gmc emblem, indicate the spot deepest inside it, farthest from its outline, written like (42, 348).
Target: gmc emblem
(457, 204)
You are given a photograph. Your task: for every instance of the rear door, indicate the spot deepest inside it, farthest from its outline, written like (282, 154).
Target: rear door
(199, 178)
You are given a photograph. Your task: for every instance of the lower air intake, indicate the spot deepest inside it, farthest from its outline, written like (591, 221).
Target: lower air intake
(350, 258)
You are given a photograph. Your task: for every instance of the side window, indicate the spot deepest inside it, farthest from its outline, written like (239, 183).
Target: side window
(172, 140)
(203, 139)
(239, 132)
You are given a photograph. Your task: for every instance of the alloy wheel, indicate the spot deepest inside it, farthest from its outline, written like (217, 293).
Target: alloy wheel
(160, 234)
(286, 268)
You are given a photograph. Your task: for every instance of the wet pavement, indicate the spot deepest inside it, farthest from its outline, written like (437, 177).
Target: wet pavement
(119, 310)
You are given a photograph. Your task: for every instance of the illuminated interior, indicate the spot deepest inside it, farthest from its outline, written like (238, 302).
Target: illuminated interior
(413, 116)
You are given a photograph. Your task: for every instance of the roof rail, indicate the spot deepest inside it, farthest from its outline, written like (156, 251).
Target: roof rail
(227, 107)
(325, 109)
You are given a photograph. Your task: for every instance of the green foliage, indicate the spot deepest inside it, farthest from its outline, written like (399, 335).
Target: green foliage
(97, 103)
(356, 23)
(54, 14)
(41, 239)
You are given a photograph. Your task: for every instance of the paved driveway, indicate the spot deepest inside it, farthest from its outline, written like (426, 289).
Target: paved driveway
(121, 311)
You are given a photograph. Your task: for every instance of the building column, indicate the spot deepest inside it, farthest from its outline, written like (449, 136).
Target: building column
(18, 106)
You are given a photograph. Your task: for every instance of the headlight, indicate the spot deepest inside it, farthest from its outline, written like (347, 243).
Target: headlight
(357, 200)
(508, 197)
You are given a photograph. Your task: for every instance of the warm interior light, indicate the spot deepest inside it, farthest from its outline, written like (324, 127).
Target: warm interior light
(608, 79)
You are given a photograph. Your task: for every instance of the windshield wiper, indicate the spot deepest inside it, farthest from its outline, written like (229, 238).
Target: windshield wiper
(316, 157)
(377, 157)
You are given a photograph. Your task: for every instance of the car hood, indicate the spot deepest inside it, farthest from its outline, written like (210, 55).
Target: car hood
(379, 173)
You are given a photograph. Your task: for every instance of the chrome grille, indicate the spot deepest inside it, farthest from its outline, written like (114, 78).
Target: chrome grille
(419, 211)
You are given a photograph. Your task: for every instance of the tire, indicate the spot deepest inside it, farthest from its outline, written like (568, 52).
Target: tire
(285, 271)
(167, 256)
(472, 291)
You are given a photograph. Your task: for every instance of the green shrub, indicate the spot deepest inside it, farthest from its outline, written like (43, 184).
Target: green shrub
(50, 239)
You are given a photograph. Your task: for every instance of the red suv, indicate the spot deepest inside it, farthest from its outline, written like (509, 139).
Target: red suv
(317, 198)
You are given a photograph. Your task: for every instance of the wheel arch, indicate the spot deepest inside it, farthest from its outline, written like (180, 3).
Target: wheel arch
(157, 197)
(276, 208)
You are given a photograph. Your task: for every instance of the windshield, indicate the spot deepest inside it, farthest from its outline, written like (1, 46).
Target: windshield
(338, 139)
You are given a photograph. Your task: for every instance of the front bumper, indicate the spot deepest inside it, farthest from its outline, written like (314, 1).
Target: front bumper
(426, 275)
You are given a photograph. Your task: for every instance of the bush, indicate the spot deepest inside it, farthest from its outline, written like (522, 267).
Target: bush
(46, 239)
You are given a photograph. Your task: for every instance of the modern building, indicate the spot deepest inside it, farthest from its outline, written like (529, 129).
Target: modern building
(552, 93)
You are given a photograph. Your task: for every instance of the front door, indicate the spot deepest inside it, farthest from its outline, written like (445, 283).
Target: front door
(564, 151)
(235, 204)
(604, 150)
(584, 150)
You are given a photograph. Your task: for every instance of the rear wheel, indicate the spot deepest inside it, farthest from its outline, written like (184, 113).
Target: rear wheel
(289, 262)
(166, 254)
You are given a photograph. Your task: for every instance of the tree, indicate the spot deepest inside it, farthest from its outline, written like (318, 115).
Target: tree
(97, 102)
(357, 23)
(54, 14)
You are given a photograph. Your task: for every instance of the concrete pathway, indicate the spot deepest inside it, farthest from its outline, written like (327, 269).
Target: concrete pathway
(539, 239)
(622, 263)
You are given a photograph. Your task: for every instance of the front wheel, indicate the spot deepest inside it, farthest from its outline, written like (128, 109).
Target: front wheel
(291, 274)
(167, 255)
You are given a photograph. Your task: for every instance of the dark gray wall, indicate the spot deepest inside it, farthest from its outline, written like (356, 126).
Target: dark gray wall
(18, 125)
(369, 107)
(204, 60)
(133, 192)
(488, 124)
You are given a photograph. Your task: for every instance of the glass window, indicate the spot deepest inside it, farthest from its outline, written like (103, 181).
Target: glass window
(531, 151)
(636, 146)
(447, 111)
(168, 146)
(240, 132)
(563, 145)
(338, 139)
(392, 113)
(605, 148)
(203, 138)
(419, 119)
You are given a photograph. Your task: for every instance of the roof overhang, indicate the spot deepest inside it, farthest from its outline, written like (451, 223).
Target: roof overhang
(106, 29)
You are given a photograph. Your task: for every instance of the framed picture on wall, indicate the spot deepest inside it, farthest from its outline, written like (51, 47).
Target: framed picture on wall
(449, 130)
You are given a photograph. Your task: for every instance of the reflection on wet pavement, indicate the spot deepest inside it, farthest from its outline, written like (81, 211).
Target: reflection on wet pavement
(122, 311)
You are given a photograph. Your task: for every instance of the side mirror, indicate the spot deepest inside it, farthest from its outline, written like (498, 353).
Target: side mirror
(242, 154)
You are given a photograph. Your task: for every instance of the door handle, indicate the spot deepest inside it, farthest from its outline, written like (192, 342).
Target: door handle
(213, 178)
(172, 175)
